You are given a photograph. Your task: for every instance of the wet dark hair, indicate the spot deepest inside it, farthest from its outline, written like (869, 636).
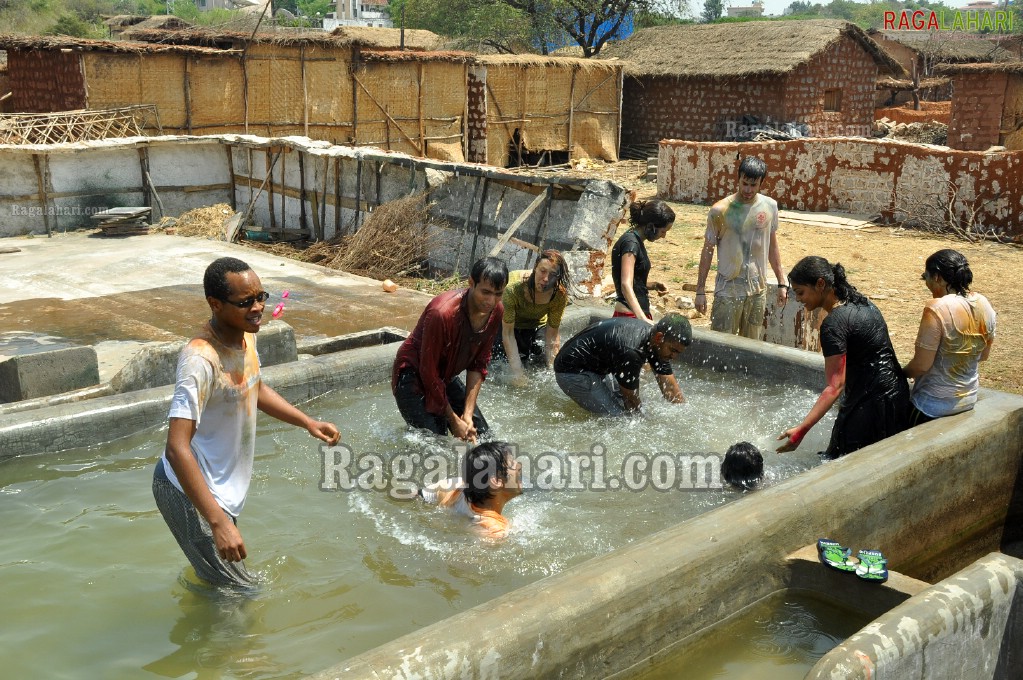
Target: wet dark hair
(752, 167)
(649, 216)
(561, 278)
(953, 268)
(480, 465)
(675, 327)
(743, 466)
(214, 281)
(810, 268)
(491, 270)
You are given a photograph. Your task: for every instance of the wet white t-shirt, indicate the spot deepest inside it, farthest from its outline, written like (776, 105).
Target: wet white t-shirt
(218, 387)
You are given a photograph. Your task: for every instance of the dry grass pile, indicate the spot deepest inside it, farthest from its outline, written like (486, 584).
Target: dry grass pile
(207, 222)
(394, 240)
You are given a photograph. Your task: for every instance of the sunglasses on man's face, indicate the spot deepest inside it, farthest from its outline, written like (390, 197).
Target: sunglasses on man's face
(249, 301)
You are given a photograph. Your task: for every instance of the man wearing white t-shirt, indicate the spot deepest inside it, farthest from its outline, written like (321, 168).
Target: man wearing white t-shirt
(744, 229)
(201, 481)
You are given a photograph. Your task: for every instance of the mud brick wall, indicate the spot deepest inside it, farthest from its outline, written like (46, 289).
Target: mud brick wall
(43, 81)
(844, 66)
(1012, 114)
(476, 121)
(896, 180)
(698, 109)
(976, 110)
(669, 108)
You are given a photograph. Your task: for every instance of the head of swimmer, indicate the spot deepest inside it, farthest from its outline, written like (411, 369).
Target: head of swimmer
(670, 335)
(487, 280)
(491, 474)
(550, 273)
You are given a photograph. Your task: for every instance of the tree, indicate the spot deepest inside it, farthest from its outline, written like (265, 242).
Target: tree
(712, 10)
(801, 7)
(509, 25)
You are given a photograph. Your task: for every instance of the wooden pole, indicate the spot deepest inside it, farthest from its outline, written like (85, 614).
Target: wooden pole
(41, 184)
(188, 95)
(230, 174)
(571, 111)
(337, 197)
(503, 240)
(268, 180)
(305, 94)
(422, 125)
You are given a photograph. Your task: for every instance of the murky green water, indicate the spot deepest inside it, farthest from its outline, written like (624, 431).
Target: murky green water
(90, 577)
(779, 638)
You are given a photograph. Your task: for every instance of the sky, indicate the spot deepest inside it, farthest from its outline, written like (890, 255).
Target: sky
(775, 7)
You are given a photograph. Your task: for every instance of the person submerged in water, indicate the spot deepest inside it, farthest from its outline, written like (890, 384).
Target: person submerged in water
(743, 466)
(490, 478)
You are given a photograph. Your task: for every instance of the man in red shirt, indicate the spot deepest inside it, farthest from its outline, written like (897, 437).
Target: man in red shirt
(455, 333)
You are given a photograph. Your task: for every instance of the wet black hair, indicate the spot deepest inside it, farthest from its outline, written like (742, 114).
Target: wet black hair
(752, 167)
(743, 466)
(813, 267)
(953, 268)
(491, 270)
(561, 278)
(483, 463)
(675, 327)
(649, 216)
(214, 281)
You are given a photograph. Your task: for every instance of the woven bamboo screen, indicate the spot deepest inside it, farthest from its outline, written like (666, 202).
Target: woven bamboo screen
(116, 80)
(415, 107)
(216, 93)
(329, 88)
(546, 101)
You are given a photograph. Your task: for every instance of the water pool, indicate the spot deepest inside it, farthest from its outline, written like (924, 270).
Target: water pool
(779, 638)
(91, 578)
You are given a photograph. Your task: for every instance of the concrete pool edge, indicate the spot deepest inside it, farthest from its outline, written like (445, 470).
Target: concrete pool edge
(611, 612)
(84, 423)
(974, 614)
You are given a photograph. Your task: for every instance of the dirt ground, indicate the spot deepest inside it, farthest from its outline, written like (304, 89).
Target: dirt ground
(883, 263)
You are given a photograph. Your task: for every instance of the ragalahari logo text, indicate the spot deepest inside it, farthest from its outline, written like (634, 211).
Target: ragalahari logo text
(999, 20)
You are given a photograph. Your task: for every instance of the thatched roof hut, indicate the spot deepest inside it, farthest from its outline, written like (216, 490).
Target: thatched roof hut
(987, 105)
(737, 50)
(10, 43)
(389, 38)
(712, 82)
(944, 47)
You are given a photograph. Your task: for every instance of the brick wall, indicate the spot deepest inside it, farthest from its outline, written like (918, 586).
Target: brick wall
(976, 110)
(846, 67)
(668, 108)
(43, 81)
(895, 180)
(476, 123)
(1012, 113)
(656, 108)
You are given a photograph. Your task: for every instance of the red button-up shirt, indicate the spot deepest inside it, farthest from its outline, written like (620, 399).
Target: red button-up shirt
(443, 344)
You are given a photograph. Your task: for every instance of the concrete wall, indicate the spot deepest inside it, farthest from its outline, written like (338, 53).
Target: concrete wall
(875, 177)
(611, 613)
(315, 190)
(967, 627)
(977, 103)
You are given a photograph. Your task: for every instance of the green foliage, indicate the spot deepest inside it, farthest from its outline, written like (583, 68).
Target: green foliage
(73, 26)
(712, 10)
(310, 8)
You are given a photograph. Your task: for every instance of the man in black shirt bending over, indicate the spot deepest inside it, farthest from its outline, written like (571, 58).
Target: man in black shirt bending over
(617, 348)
